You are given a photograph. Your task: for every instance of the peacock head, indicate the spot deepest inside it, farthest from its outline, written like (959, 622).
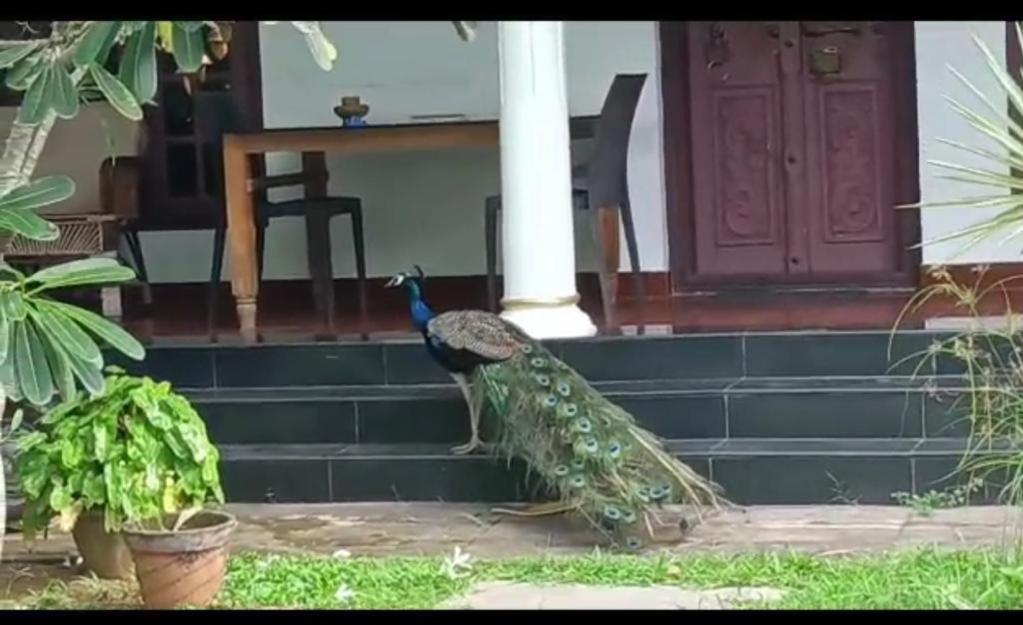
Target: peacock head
(412, 281)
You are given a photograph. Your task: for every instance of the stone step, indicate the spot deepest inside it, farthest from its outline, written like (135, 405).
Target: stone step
(608, 358)
(752, 471)
(675, 409)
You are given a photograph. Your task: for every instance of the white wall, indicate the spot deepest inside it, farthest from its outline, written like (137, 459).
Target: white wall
(427, 208)
(939, 45)
(77, 148)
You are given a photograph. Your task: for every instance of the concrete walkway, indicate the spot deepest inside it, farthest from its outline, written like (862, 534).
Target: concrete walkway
(384, 529)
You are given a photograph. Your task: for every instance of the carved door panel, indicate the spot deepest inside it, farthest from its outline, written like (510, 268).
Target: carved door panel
(793, 151)
(850, 148)
(736, 131)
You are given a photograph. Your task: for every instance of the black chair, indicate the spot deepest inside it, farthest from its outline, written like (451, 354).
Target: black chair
(599, 185)
(217, 113)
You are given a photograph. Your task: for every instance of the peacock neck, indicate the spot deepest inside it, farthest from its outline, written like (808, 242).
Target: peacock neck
(421, 312)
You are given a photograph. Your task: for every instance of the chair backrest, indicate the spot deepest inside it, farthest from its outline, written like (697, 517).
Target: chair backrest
(217, 114)
(607, 167)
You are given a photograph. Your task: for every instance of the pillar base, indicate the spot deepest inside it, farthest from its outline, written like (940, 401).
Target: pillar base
(551, 322)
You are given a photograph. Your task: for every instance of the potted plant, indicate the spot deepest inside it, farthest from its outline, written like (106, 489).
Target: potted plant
(135, 456)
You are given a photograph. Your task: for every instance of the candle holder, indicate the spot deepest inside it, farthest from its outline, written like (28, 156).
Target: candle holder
(352, 111)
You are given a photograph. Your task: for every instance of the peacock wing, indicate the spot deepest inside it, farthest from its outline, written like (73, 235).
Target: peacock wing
(477, 331)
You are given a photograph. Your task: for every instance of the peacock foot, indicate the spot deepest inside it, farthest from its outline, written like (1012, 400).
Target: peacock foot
(471, 446)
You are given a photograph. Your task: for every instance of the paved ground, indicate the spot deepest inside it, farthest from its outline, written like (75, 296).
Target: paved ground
(434, 528)
(508, 596)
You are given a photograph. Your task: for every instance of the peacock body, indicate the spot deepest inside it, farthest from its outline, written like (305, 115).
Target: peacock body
(586, 449)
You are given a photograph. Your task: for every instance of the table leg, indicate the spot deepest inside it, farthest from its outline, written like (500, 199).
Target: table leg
(318, 252)
(241, 231)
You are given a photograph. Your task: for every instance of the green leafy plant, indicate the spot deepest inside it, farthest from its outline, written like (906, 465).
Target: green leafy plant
(998, 124)
(987, 398)
(139, 452)
(990, 400)
(926, 503)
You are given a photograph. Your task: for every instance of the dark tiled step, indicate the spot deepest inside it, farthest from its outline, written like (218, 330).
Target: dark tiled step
(866, 471)
(677, 409)
(601, 358)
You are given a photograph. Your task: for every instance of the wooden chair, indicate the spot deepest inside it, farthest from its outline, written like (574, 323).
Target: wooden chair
(600, 187)
(217, 113)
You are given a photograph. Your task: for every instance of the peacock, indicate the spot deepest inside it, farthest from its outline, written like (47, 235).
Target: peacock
(585, 448)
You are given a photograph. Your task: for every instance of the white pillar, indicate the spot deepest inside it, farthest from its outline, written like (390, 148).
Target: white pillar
(538, 243)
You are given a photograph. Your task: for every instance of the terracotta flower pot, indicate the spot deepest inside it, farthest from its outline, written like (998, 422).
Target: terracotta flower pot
(182, 568)
(104, 553)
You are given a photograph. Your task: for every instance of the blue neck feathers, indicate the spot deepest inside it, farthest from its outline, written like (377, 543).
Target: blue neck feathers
(421, 312)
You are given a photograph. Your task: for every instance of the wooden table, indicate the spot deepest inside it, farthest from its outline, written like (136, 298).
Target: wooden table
(312, 143)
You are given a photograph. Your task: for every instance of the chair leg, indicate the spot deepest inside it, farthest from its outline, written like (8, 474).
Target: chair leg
(320, 268)
(633, 247)
(131, 236)
(216, 266)
(260, 247)
(605, 230)
(490, 229)
(360, 260)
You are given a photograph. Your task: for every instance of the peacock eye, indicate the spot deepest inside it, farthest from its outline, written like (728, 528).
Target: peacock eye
(542, 379)
(561, 470)
(564, 389)
(578, 465)
(643, 494)
(538, 363)
(612, 513)
(583, 426)
(577, 481)
(527, 349)
(629, 517)
(614, 449)
(550, 400)
(633, 543)
(571, 410)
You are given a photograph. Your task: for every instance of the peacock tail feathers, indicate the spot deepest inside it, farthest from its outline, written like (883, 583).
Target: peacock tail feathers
(584, 447)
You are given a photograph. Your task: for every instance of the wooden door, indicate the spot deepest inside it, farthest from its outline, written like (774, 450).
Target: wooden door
(180, 186)
(797, 151)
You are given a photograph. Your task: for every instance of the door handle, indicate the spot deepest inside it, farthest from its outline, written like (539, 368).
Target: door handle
(717, 51)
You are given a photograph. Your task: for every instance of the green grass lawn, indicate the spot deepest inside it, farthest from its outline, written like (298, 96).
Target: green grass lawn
(925, 579)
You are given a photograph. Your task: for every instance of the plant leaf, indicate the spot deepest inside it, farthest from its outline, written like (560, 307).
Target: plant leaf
(119, 96)
(38, 100)
(82, 272)
(109, 332)
(65, 95)
(11, 55)
(138, 66)
(90, 375)
(66, 332)
(5, 328)
(92, 44)
(13, 303)
(28, 224)
(21, 75)
(189, 46)
(56, 355)
(38, 193)
(31, 368)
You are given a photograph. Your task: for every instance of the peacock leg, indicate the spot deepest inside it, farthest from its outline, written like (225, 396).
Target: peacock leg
(474, 417)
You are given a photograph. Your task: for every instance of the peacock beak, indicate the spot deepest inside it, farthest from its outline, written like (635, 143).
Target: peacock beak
(395, 281)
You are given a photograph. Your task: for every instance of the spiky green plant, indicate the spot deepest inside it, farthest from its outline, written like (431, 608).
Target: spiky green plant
(1000, 124)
